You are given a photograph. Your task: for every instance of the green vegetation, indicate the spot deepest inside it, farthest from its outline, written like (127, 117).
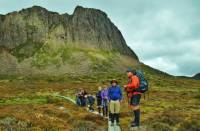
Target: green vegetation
(44, 55)
(172, 103)
(47, 56)
(29, 100)
(100, 60)
(26, 107)
(22, 101)
(26, 50)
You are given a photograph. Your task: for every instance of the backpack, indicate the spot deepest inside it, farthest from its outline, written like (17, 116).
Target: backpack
(91, 100)
(143, 82)
(98, 95)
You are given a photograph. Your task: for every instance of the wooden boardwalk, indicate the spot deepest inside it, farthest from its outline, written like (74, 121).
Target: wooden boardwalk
(110, 128)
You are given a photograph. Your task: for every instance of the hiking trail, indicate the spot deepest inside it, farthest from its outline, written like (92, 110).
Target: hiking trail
(110, 128)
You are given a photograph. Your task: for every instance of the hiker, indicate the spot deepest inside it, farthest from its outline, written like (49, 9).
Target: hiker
(78, 99)
(104, 97)
(134, 96)
(115, 97)
(81, 98)
(98, 98)
(90, 101)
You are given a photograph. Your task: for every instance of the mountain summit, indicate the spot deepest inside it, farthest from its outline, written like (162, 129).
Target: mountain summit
(36, 38)
(85, 27)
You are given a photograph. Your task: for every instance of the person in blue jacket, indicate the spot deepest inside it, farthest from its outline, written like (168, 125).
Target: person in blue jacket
(114, 97)
(99, 99)
(90, 102)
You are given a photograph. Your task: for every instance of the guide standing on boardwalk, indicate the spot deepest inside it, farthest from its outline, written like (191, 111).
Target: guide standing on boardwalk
(115, 97)
(134, 95)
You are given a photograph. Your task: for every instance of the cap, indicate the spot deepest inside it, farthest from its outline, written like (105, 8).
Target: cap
(113, 81)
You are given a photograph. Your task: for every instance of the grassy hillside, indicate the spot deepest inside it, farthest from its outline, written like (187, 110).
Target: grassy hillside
(32, 107)
(172, 103)
(61, 59)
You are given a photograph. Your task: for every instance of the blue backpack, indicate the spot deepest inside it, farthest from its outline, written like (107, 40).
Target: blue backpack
(91, 100)
(143, 82)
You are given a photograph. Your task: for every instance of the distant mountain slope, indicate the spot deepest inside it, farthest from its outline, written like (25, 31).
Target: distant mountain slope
(197, 76)
(38, 41)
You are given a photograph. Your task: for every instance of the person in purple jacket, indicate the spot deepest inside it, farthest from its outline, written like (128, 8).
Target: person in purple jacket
(104, 97)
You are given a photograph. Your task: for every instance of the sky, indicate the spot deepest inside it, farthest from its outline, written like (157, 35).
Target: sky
(165, 34)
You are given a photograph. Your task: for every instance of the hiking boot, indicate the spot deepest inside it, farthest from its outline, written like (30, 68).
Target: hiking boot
(112, 124)
(137, 117)
(106, 111)
(99, 110)
(117, 117)
(103, 112)
(112, 118)
(134, 125)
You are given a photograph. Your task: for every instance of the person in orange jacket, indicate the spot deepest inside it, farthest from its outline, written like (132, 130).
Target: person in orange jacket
(134, 96)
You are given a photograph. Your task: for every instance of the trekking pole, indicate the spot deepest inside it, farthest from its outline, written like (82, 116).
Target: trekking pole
(148, 92)
(109, 111)
(128, 99)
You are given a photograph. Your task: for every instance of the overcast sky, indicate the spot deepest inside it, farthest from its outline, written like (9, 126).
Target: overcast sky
(165, 34)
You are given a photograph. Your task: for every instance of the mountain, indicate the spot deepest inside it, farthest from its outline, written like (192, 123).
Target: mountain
(197, 76)
(38, 41)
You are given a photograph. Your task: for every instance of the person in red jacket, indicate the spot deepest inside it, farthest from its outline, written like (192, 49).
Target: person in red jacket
(133, 95)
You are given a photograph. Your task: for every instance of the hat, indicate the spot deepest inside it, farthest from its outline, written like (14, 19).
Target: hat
(130, 70)
(113, 81)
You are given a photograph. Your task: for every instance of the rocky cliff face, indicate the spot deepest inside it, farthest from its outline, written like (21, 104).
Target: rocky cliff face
(85, 27)
(37, 40)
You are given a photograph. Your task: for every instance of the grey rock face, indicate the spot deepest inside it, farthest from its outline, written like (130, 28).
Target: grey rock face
(197, 76)
(86, 27)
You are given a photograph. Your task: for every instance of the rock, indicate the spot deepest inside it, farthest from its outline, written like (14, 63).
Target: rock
(86, 27)
(61, 108)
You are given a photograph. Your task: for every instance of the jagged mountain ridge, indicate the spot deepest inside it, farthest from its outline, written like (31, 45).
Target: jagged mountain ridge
(85, 27)
(38, 41)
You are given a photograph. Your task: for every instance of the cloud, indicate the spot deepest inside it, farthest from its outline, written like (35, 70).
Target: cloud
(167, 37)
(165, 64)
(164, 34)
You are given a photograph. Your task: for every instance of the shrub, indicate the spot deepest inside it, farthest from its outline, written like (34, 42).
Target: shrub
(158, 126)
(83, 126)
(190, 125)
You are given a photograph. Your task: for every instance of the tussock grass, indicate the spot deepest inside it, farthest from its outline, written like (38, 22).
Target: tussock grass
(173, 103)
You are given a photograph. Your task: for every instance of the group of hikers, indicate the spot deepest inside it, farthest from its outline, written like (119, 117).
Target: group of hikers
(109, 98)
(84, 99)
